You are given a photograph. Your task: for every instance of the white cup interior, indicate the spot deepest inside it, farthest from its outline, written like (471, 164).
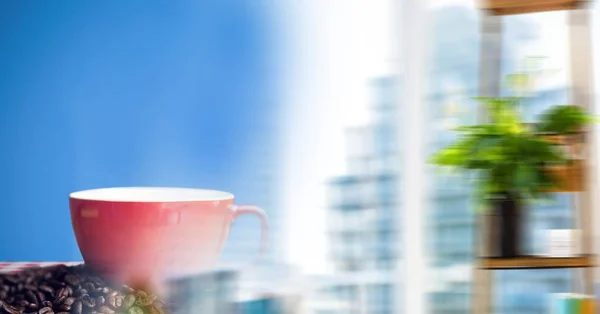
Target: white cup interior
(151, 194)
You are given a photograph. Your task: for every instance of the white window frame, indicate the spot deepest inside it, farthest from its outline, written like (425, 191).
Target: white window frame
(411, 39)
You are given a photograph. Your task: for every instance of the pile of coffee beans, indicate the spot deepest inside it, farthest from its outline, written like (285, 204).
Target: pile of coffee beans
(71, 290)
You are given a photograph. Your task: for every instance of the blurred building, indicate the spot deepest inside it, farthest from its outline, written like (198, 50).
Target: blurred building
(364, 211)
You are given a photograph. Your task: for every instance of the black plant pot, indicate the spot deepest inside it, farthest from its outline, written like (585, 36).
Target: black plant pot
(509, 232)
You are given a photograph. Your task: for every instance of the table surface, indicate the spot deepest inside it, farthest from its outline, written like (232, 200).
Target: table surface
(11, 267)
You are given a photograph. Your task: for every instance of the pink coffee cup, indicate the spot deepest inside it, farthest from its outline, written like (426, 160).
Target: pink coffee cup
(143, 235)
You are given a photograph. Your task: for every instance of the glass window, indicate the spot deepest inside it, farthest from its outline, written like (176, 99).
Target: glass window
(454, 77)
(538, 35)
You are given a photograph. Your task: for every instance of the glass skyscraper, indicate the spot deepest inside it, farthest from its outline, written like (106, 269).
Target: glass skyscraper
(363, 210)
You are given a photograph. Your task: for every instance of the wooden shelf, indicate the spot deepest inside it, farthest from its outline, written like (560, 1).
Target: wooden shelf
(536, 262)
(511, 7)
(579, 26)
(569, 176)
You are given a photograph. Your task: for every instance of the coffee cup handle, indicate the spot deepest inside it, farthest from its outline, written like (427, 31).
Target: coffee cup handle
(239, 210)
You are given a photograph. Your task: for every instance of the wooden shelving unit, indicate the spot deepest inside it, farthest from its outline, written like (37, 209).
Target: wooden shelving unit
(537, 262)
(511, 7)
(581, 94)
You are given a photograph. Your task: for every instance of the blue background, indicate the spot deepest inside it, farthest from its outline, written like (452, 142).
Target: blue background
(116, 93)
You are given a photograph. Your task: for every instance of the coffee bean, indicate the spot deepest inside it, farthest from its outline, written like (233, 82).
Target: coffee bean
(141, 293)
(77, 308)
(62, 292)
(64, 307)
(135, 310)
(59, 300)
(128, 301)
(113, 293)
(89, 286)
(71, 290)
(128, 289)
(143, 301)
(100, 300)
(96, 280)
(10, 309)
(46, 310)
(105, 310)
(56, 284)
(30, 287)
(101, 291)
(157, 310)
(158, 304)
(11, 279)
(69, 301)
(41, 296)
(31, 297)
(47, 289)
(153, 310)
(112, 301)
(118, 301)
(79, 292)
(72, 280)
(88, 302)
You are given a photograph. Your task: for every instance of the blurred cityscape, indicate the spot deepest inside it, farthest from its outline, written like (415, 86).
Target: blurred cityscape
(363, 212)
(363, 238)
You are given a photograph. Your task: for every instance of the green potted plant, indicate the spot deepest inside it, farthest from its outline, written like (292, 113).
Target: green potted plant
(513, 162)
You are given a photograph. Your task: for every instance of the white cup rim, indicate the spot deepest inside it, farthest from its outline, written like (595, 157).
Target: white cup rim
(139, 194)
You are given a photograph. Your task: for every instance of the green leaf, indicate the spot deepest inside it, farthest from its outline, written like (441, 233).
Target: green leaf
(519, 81)
(525, 177)
(451, 156)
(564, 120)
(505, 155)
